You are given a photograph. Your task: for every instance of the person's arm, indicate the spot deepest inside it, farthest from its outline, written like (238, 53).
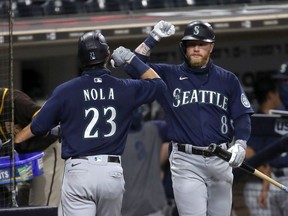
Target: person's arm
(24, 134)
(121, 55)
(161, 30)
(164, 154)
(263, 196)
(242, 133)
(269, 152)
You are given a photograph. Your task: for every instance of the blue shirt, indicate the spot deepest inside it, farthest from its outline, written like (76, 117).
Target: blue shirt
(200, 108)
(94, 111)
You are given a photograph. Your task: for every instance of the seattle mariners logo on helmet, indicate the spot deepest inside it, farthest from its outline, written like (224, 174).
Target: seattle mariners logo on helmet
(92, 49)
(198, 30)
(282, 73)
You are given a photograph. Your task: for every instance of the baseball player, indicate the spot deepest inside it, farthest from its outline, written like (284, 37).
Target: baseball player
(267, 96)
(44, 189)
(282, 77)
(203, 104)
(279, 165)
(94, 112)
(144, 193)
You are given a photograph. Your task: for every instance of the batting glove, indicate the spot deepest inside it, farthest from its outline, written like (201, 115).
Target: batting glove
(162, 29)
(238, 151)
(120, 56)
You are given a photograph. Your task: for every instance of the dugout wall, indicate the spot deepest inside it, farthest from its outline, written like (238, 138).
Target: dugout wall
(245, 53)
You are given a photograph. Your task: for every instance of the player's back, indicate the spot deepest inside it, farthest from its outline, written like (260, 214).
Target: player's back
(144, 190)
(96, 111)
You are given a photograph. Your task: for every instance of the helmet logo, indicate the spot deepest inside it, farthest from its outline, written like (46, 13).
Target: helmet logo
(283, 68)
(92, 56)
(196, 30)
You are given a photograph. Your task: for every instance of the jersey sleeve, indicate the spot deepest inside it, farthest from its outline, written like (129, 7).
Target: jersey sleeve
(47, 117)
(239, 101)
(134, 74)
(147, 90)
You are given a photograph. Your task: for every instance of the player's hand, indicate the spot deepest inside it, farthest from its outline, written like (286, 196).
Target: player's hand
(238, 151)
(120, 56)
(162, 29)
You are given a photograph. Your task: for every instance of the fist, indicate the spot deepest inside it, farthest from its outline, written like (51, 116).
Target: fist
(162, 29)
(120, 56)
(238, 152)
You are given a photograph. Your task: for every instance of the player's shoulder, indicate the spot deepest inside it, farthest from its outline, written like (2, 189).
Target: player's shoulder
(165, 67)
(224, 73)
(67, 84)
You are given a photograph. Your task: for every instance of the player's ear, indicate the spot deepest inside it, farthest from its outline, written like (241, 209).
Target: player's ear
(182, 48)
(212, 45)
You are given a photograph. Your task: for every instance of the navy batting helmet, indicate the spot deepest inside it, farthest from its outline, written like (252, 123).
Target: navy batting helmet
(92, 49)
(198, 30)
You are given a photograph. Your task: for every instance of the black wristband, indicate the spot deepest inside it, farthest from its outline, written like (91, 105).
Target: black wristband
(150, 42)
(139, 65)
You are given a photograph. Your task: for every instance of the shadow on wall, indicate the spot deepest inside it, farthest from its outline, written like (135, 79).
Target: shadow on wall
(32, 83)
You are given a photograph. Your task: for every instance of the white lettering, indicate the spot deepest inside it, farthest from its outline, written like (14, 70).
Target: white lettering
(202, 96)
(194, 97)
(100, 94)
(176, 95)
(186, 96)
(111, 94)
(4, 175)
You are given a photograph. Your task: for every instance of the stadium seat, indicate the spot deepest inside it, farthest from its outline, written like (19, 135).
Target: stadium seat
(28, 8)
(51, 7)
(181, 3)
(3, 9)
(112, 5)
(138, 4)
(153, 4)
(69, 7)
(89, 6)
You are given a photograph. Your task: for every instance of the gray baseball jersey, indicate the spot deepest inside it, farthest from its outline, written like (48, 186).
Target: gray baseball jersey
(141, 167)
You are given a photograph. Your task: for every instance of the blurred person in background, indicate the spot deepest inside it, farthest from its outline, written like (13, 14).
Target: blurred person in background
(278, 198)
(267, 97)
(144, 193)
(44, 190)
(171, 209)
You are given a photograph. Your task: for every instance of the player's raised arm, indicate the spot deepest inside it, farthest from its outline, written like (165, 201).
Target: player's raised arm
(161, 30)
(122, 55)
